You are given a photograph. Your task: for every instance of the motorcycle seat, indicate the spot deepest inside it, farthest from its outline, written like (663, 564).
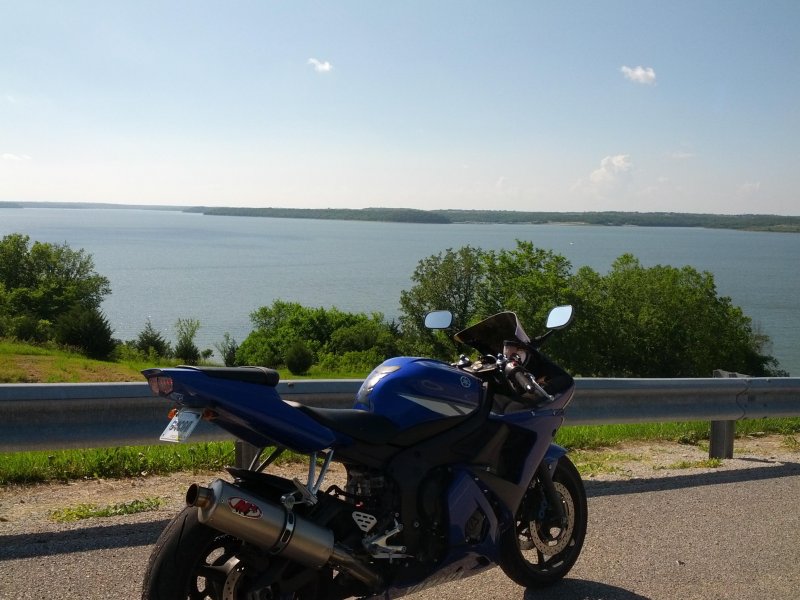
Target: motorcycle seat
(257, 375)
(358, 424)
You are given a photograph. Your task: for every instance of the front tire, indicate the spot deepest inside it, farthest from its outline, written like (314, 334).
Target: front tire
(192, 561)
(541, 549)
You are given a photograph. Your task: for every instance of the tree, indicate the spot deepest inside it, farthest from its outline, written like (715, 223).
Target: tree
(227, 349)
(328, 334)
(661, 321)
(87, 329)
(632, 322)
(451, 281)
(185, 348)
(527, 280)
(151, 341)
(41, 282)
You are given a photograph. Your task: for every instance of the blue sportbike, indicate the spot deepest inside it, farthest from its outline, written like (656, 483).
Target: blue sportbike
(451, 470)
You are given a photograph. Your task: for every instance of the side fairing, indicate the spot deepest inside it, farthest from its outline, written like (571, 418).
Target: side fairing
(410, 391)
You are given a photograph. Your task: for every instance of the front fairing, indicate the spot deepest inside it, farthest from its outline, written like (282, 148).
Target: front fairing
(489, 335)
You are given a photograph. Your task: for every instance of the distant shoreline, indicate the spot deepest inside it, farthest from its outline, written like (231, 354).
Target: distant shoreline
(749, 222)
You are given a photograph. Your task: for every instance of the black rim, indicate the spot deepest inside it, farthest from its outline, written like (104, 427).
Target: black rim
(216, 562)
(547, 544)
(220, 574)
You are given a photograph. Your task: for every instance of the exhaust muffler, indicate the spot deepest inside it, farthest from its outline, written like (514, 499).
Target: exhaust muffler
(273, 528)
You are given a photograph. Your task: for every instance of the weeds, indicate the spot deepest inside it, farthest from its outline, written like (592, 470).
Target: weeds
(87, 511)
(708, 463)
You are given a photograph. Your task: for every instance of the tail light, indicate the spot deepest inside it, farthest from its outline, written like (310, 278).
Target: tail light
(160, 385)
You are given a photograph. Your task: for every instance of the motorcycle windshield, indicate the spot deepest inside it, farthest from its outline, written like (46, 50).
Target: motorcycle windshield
(487, 337)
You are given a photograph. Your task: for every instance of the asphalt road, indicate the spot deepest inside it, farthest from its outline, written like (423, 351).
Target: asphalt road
(724, 535)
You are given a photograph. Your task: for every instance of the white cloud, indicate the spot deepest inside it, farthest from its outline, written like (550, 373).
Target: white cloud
(611, 167)
(750, 188)
(645, 75)
(320, 66)
(8, 156)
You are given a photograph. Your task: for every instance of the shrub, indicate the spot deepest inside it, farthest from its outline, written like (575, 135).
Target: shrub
(86, 328)
(299, 358)
(259, 348)
(185, 349)
(151, 341)
(227, 350)
(352, 362)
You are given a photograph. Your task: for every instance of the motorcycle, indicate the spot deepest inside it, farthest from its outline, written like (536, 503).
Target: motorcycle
(451, 469)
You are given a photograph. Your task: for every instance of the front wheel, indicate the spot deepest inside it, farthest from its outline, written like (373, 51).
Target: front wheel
(192, 561)
(542, 547)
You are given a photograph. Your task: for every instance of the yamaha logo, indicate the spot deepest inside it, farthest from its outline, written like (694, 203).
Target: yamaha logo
(466, 381)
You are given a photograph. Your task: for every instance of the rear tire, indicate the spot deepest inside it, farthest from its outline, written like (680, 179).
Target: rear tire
(195, 562)
(536, 553)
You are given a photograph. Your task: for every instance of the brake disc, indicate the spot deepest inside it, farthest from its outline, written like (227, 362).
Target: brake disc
(550, 537)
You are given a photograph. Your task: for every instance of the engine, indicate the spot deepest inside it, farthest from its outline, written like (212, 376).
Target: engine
(376, 501)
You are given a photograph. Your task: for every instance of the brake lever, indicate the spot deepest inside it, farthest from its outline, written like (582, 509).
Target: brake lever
(540, 390)
(526, 380)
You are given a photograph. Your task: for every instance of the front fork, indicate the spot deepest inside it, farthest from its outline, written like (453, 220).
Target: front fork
(553, 507)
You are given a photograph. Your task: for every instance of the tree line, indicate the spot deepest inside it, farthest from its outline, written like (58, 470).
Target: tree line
(633, 321)
(753, 222)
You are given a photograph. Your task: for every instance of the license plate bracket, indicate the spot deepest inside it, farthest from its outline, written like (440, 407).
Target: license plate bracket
(182, 425)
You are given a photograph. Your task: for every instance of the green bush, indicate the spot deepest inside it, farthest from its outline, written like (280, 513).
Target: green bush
(29, 328)
(261, 349)
(227, 350)
(299, 358)
(185, 349)
(151, 341)
(87, 329)
(352, 362)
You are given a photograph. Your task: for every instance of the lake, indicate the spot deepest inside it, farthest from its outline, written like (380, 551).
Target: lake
(165, 265)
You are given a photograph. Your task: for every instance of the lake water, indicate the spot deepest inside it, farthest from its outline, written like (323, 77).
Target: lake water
(166, 265)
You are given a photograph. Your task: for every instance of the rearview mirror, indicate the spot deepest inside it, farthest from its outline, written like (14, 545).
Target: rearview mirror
(439, 319)
(560, 317)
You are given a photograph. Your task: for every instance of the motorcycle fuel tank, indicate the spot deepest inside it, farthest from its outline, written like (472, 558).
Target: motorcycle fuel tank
(410, 391)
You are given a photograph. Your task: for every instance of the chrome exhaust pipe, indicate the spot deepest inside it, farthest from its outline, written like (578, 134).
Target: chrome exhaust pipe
(273, 528)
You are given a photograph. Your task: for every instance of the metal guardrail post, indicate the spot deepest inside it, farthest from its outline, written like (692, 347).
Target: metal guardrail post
(723, 432)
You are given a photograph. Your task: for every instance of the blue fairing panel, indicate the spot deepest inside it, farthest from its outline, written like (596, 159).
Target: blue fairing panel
(254, 413)
(409, 391)
(554, 454)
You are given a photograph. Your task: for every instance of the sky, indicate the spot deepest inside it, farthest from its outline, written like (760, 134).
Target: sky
(678, 106)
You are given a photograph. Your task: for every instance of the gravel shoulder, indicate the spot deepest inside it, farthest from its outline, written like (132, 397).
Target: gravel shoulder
(27, 509)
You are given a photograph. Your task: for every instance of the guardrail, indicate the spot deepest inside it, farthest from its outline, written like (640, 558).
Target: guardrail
(58, 416)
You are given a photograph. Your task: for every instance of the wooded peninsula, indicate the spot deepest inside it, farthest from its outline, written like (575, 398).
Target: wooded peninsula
(407, 215)
(750, 222)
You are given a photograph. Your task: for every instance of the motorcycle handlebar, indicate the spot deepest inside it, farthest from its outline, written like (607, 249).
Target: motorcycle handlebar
(523, 381)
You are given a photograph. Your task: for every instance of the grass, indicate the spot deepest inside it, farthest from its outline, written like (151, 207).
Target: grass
(707, 463)
(87, 511)
(104, 463)
(591, 463)
(27, 363)
(694, 433)
(792, 443)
